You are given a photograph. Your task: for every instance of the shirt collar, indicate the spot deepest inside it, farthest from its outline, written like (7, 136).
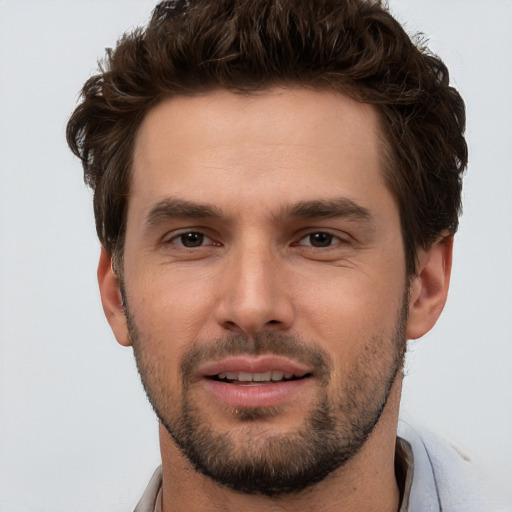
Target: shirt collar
(405, 467)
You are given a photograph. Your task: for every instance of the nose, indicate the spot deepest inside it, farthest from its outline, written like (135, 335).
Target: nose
(254, 295)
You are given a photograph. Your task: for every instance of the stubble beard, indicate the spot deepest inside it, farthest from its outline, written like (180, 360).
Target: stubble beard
(262, 462)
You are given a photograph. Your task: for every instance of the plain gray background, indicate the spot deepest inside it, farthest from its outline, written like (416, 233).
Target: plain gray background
(76, 431)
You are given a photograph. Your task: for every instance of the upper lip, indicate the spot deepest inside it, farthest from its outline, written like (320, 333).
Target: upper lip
(253, 364)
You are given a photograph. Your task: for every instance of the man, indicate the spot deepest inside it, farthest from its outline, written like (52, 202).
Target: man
(276, 189)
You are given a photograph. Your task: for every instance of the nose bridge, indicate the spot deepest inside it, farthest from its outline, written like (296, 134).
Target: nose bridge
(254, 296)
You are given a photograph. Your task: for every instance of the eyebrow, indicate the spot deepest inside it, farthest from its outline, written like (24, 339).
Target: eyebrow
(328, 208)
(175, 208)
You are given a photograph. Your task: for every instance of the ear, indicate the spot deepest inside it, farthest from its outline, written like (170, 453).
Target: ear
(429, 287)
(111, 299)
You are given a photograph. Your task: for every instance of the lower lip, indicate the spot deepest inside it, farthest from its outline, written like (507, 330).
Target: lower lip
(255, 395)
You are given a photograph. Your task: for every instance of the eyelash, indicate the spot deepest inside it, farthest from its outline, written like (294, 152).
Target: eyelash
(331, 237)
(179, 239)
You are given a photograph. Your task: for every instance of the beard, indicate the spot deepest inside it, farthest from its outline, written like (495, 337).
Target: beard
(255, 459)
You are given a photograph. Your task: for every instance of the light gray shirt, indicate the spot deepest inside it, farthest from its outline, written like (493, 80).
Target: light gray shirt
(433, 476)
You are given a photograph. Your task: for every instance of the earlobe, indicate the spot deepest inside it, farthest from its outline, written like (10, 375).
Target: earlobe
(429, 287)
(111, 299)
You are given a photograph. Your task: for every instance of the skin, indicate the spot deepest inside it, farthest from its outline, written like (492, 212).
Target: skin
(254, 158)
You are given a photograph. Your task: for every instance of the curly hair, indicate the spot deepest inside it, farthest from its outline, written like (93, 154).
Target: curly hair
(355, 47)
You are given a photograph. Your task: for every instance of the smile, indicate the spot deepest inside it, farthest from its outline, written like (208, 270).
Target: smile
(246, 378)
(249, 382)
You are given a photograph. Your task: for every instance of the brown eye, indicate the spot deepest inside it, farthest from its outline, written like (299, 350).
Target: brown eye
(320, 239)
(190, 239)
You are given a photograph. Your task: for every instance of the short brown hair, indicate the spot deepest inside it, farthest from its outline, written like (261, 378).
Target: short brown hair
(352, 46)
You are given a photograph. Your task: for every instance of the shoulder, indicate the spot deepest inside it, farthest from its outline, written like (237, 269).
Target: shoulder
(445, 478)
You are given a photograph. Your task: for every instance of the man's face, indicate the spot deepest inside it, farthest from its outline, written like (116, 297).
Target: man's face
(264, 279)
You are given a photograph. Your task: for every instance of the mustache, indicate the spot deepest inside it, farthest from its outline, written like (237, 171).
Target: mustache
(268, 343)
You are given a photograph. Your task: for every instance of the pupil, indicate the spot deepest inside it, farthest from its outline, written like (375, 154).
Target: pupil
(321, 239)
(192, 239)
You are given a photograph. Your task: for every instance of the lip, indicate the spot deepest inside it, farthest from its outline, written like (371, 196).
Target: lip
(250, 364)
(254, 394)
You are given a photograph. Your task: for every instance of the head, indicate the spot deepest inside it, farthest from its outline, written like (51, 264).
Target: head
(352, 46)
(276, 184)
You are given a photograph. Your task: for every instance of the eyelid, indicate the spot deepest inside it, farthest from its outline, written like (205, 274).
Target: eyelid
(175, 236)
(339, 237)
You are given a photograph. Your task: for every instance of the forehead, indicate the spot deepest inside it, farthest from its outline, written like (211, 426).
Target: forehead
(222, 147)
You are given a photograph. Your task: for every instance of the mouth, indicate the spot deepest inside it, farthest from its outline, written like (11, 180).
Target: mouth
(250, 382)
(258, 379)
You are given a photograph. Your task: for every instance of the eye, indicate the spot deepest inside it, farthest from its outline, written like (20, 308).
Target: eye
(319, 239)
(191, 239)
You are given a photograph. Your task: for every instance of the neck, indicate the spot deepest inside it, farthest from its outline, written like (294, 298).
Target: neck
(366, 482)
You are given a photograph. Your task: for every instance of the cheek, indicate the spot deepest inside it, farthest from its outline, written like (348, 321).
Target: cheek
(349, 310)
(170, 306)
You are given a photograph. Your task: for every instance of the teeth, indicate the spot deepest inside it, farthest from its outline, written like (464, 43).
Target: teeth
(262, 377)
(228, 375)
(276, 375)
(271, 375)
